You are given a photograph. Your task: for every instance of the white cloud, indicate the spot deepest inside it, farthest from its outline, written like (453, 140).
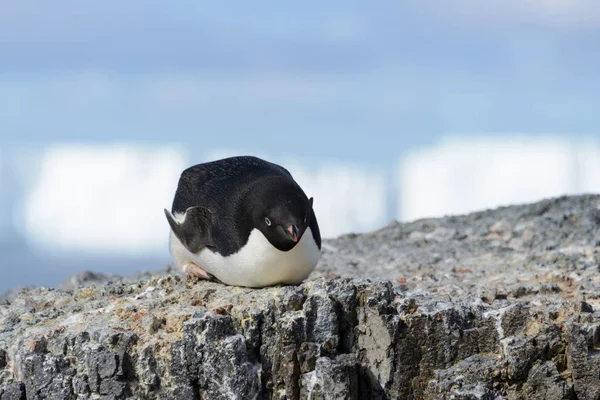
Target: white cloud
(103, 198)
(586, 166)
(462, 175)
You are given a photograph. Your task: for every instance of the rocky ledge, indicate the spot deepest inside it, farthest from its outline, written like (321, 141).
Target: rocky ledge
(498, 304)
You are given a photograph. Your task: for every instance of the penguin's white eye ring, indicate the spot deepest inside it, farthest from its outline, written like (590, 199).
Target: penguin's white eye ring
(267, 221)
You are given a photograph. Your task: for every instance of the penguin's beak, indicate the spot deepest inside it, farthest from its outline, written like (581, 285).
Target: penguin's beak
(293, 232)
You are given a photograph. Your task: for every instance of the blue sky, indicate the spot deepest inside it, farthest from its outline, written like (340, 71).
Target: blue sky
(345, 80)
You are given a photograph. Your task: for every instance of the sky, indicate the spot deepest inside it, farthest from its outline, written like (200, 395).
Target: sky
(394, 110)
(292, 79)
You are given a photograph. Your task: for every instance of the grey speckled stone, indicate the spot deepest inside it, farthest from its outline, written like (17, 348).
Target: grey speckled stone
(501, 304)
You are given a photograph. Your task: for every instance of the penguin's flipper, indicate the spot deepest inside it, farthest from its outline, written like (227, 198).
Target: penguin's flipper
(314, 225)
(194, 230)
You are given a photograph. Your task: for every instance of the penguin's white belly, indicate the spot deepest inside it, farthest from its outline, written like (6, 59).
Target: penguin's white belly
(257, 264)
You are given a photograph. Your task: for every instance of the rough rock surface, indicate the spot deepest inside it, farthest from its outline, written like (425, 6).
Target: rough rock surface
(501, 304)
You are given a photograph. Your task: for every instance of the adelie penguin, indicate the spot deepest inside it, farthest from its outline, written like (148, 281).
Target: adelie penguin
(243, 221)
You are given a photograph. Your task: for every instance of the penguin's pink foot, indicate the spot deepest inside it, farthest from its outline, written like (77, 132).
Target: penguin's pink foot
(194, 270)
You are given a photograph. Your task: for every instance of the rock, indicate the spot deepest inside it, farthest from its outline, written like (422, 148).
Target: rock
(545, 383)
(474, 369)
(584, 358)
(586, 307)
(13, 391)
(492, 305)
(331, 379)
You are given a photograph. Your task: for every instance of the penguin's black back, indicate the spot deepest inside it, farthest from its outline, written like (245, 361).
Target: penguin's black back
(222, 186)
(208, 183)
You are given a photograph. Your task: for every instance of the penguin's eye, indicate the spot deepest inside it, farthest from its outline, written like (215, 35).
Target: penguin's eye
(267, 221)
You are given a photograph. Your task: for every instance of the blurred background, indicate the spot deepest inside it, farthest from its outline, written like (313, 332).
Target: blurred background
(387, 110)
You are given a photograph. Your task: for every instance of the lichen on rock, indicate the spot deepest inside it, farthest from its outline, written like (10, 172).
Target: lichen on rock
(498, 304)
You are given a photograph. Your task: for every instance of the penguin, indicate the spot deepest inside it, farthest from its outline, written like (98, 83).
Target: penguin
(243, 221)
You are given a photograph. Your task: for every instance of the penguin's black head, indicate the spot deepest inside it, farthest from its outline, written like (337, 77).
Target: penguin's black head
(283, 216)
